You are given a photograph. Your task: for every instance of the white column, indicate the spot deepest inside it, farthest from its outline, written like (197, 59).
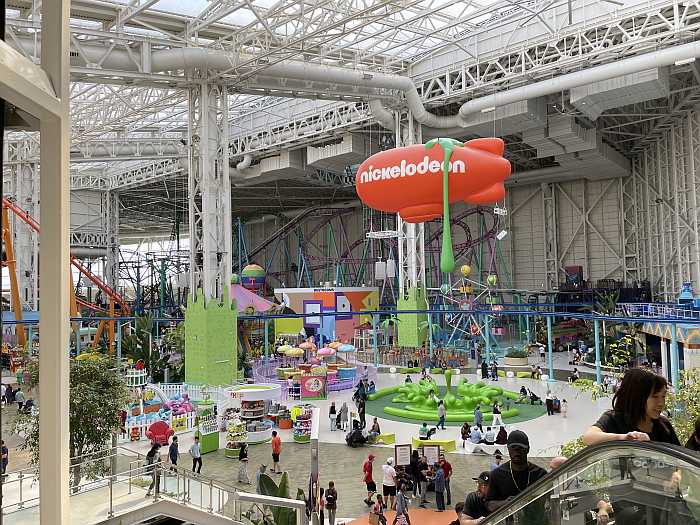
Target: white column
(411, 236)
(55, 217)
(111, 212)
(209, 190)
(664, 358)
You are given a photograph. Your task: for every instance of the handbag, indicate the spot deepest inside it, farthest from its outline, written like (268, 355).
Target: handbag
(374, 519)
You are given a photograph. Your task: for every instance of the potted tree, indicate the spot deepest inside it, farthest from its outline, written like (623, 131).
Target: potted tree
(515, 357)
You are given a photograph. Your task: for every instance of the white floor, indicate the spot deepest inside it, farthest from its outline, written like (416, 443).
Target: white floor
(547, 433)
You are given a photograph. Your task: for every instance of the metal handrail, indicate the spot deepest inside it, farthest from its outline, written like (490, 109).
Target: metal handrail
(213, 494)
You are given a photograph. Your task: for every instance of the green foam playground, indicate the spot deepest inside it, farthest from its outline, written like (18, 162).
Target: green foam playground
(417, 402)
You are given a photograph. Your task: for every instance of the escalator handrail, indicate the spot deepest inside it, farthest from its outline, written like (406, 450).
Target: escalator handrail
(581, 458)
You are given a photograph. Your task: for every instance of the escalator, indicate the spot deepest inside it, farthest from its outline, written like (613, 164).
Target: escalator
(645, 483)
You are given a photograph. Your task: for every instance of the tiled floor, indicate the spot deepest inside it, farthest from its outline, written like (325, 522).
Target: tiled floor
(342, 464)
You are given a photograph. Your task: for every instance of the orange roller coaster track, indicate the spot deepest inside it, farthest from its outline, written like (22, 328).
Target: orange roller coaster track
(114, 297)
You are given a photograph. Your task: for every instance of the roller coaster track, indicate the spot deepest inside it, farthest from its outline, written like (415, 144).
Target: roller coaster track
(285, 230)
(33, 224)
(432, 243)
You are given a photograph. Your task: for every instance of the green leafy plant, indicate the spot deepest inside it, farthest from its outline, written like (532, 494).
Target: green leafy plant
(514, 352)
(97, 393)
(280, 515)
(573, 447)
(684, 403)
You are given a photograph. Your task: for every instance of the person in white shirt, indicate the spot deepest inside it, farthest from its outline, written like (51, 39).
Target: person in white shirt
(196, 453)
(489, 436)
(389, 483)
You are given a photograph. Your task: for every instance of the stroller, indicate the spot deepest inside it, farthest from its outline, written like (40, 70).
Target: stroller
(355, 438)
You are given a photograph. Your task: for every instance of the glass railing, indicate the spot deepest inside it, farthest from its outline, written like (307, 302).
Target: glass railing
(127, 479)
(632, 483)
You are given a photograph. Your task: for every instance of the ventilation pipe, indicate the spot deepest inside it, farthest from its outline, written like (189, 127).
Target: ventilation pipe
(626, 66)
(244, 163)
(191, 58)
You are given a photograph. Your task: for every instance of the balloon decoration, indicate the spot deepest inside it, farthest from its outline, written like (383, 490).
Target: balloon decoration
(465, 270)
(404, 180)
(492, 280)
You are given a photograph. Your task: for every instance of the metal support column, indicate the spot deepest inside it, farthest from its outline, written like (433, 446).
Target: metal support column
(430, 335)
(550, 358)
(374, 338)
(674, 355)
(267, 350)
(487, 338)
(209, 190)
(598, 374)
(111, 269)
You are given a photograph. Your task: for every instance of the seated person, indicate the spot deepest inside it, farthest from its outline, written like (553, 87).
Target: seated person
(374, 431)
(489, 436)
(502, 436)
(372, 388)
(424, 432)
(522, 398)
(534, 398)
(574, 376)
(475, 436)
(408, 379)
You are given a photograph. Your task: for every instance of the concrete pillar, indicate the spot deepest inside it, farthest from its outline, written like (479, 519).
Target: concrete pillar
(54, 364)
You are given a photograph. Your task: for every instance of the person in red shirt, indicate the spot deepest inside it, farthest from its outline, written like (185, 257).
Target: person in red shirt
(369, 481)
(276, 451)
(447, 469)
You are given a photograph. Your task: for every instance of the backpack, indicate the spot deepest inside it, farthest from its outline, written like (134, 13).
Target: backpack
(330, 500)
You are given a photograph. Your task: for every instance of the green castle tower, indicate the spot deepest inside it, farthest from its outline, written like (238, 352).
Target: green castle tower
(211, 347)
(411, 327)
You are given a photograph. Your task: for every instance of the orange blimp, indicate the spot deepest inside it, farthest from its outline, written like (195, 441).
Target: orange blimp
(410, 181)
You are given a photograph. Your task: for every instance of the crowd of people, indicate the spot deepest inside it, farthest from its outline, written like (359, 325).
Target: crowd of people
(637, 414)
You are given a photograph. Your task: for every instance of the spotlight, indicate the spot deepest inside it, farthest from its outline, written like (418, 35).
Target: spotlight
(501, 235)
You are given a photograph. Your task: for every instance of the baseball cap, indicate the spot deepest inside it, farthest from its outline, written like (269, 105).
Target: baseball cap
(371, 456)
(484, 477)
(518, 438)
(389, 461)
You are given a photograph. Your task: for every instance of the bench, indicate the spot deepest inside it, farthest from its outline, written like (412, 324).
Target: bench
(446, 445)
(485, 449)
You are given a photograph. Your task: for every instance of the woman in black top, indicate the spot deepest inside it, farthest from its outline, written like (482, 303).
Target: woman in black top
(414, 471)
(636, 416)
(243, 464)
(636, 413)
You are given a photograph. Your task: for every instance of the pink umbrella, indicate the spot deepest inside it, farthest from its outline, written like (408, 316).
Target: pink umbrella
(326, 351)
(306, 345)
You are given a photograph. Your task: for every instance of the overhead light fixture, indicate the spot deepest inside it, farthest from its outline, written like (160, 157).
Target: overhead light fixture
(684, 61)
(501, 235)
(488, 110)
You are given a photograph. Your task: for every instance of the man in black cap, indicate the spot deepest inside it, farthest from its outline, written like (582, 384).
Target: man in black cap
(513, 477)
(475, 511)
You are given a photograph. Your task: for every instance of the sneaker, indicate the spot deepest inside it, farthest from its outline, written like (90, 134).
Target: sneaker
(148, 494)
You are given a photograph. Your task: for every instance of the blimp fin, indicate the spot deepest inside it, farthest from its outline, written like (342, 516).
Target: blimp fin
(490, 195)
(492, 145)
